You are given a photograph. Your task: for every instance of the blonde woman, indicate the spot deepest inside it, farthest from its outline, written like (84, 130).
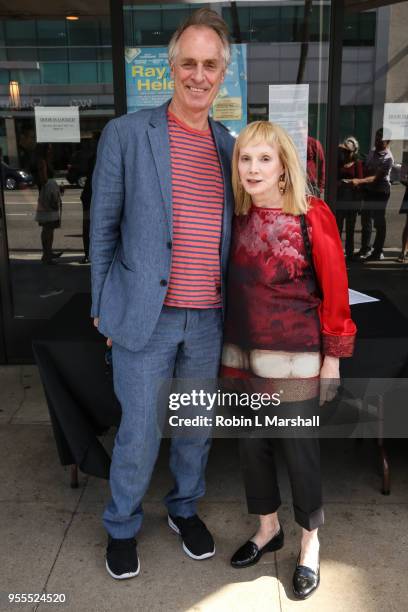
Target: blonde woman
(288, 318)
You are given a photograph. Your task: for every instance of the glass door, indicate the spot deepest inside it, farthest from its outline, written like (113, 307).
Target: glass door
(56, 95)
(373, 139)
(280, 57)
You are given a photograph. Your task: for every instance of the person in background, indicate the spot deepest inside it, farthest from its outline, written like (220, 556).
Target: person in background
(376, 193)
(403, 256)
(287, 320)
(49, 202)
(48, 216)
(316, 166)
(348, 202)
(86, 199)
(42, 164)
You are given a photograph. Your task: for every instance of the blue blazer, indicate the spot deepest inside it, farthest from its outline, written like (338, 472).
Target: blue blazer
(131, 223)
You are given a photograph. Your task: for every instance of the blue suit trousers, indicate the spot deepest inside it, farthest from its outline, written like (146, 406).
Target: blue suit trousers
(186, 343)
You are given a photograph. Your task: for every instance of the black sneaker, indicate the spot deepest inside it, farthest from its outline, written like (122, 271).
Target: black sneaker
(198, 542)
(121, 558)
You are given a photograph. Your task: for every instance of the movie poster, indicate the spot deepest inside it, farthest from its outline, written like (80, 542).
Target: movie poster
(149, 84)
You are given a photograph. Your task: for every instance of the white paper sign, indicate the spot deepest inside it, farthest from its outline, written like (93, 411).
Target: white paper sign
(57, 123)
(396, 121)
(289, 107)
(355, 297)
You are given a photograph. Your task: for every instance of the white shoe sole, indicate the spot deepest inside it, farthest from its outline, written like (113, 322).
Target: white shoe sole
(122, 576)
(174, 527)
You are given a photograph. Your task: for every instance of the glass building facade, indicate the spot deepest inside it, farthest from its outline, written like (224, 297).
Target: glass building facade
(351, 54)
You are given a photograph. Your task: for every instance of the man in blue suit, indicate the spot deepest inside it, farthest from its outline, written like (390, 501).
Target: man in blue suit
(160, 230)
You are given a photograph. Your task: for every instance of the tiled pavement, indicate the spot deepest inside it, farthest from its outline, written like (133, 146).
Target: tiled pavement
(52, 538)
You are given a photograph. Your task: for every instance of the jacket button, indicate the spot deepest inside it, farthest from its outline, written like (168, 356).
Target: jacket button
(163, 282)
(169, 244)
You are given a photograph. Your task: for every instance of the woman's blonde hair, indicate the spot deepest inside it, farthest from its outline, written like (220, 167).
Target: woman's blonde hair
(295, 200)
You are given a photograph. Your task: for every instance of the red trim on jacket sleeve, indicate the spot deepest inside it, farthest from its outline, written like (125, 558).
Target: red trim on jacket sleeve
(338, 346)
(338, 329)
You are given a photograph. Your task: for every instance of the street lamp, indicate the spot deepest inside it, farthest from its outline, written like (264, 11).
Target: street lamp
(14, 94)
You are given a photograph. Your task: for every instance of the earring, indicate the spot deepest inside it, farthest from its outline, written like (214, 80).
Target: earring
(282, 184)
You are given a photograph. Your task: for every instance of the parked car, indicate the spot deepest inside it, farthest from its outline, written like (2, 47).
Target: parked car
(14, 178)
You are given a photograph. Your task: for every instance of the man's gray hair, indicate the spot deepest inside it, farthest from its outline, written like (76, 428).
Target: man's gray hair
(203, 18)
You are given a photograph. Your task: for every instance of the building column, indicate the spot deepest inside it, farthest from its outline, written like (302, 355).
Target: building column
(11, 141)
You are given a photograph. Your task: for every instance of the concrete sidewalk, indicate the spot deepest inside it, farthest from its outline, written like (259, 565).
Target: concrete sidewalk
(52, 538)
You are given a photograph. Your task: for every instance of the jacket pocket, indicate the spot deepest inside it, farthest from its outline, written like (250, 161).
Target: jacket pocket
(126, 266)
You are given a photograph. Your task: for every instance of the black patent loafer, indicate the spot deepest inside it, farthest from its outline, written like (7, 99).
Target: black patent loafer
(249, 553)
(305, 580)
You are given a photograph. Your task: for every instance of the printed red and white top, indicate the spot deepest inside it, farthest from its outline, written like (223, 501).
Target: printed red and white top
(272, 300)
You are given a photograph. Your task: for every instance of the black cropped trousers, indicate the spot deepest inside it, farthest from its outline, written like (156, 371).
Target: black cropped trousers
(261, 484)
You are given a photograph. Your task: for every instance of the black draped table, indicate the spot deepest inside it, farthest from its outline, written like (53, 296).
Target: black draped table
(70, 354)
(381, 352)
(381, 349)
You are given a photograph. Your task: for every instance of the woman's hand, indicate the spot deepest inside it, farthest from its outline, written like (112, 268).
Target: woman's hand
(108, 340)
(329, 378)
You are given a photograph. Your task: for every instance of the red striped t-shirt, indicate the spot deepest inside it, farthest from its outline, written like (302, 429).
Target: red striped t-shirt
(198, 200)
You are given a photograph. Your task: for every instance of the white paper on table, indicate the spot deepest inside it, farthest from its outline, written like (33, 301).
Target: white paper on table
(355, 297)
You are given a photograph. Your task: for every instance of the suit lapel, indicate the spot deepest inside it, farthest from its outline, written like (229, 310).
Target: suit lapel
(225, 163)
(158, 134)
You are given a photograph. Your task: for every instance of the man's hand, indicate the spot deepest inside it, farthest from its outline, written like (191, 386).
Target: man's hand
(329, 379)
(108, 340)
